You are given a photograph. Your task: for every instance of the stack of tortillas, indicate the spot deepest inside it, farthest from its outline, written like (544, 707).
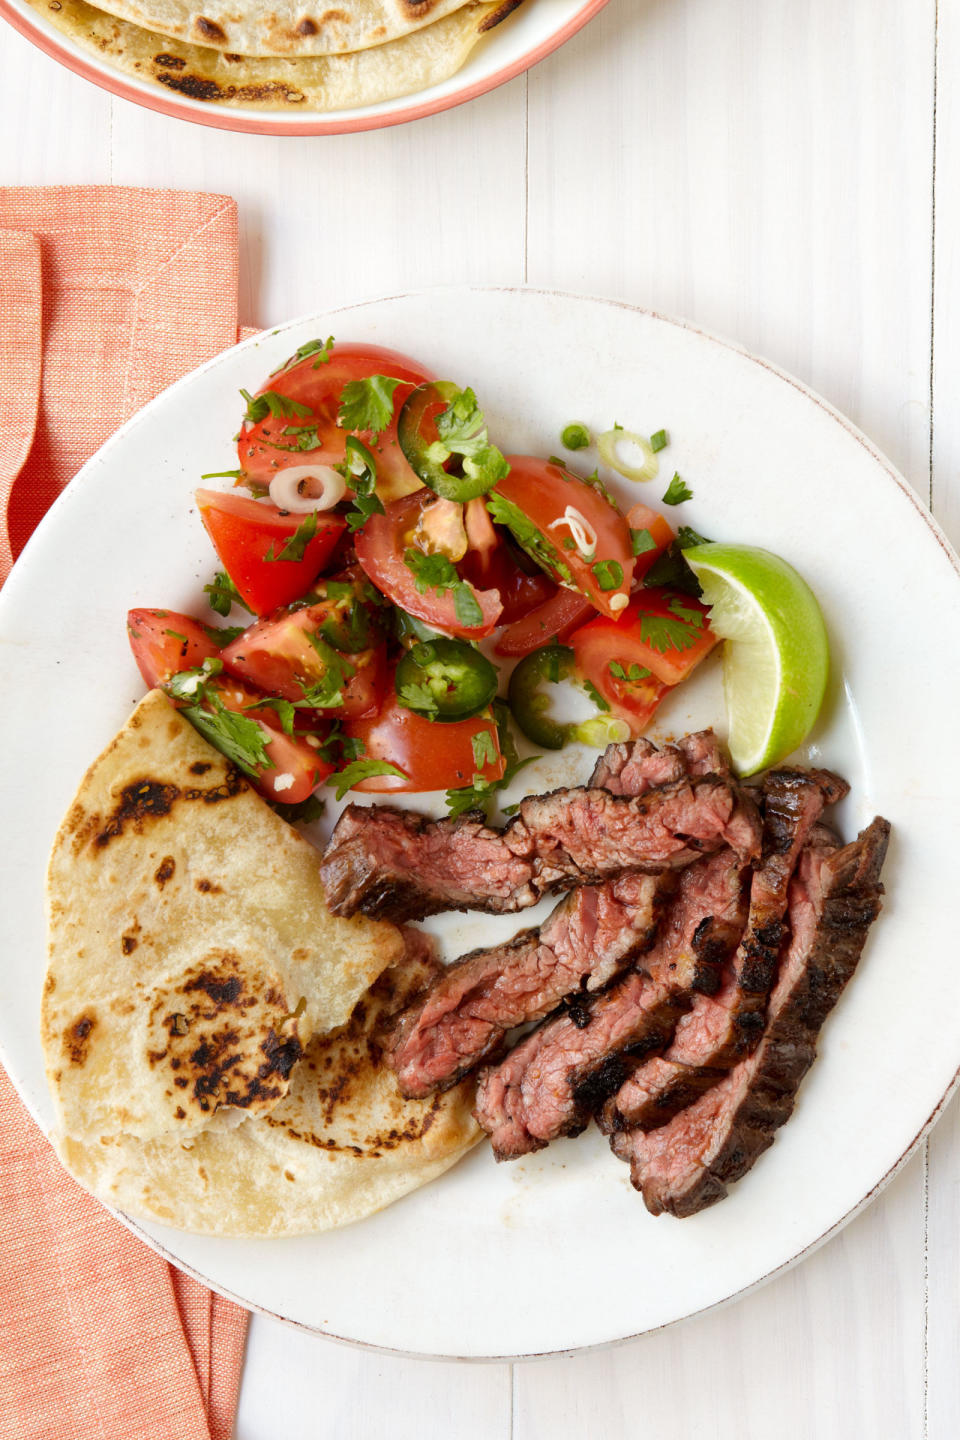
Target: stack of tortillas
(286, 55)
(213, 1036)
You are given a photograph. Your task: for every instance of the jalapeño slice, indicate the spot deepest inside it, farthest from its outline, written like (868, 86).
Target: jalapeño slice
(529, 703)
(476, 464)
(445, 680)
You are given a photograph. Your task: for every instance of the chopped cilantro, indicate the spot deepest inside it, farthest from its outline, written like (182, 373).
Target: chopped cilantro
(575, 436)
(295, 547)
(484, 750)
(223, 635)
(595, 695)
(528, 537)
(462, 430)
(367, 404)
(359, 469)
(609, 574)
(659, 441)
(671, 569)
(633, 672)
(327, 692)
(642, 541)
(668, 632)
(687, 538)
(465, 606)
(477, 795)
(237, 737)
(420, 698)
(320, 348)
(677, 491)
(285, 710)
(306, 811)
(359, 770)
(177, 636)
(281, 407)
(223, 594)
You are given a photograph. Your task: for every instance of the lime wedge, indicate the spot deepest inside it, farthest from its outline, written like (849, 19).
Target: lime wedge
(776, 656)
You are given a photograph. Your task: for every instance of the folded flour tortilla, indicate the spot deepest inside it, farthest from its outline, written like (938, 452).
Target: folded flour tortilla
(187, 923)
(292, 81)
(339, 1146)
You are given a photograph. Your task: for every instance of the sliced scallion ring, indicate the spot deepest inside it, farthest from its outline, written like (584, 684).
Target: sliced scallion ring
(609, 444)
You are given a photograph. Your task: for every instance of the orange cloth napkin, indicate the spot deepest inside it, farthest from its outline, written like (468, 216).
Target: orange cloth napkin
(106, 297)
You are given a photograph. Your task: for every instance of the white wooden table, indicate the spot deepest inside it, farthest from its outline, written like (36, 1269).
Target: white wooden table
(784, 172)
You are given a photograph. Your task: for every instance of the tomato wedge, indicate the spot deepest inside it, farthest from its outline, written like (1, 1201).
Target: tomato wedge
(315, 387)
(662, 634)
(250, 537)
(432, 756)
(296, 768)
(569, 528)
(559, 616)
(651, 534)
(286, 654)
(164, 642)
(381, 546)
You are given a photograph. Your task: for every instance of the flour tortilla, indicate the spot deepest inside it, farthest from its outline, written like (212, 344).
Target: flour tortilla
(422, 58)
(186, 922)
(283, 27)
(341, 1145)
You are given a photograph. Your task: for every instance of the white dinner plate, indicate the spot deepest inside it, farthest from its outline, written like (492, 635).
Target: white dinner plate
(555, 1252)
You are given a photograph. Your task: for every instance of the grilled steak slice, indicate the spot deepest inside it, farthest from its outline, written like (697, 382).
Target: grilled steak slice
(688, 1164)
(633, 767)
(463, 1019)
(389, 863)
(559, 1076)
(720, 1030)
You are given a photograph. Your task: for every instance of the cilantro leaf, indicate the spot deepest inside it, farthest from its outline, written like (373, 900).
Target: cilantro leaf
(295, 547)
(687, 538)
(359, 770)
(677, 491)
(320, 348)
(477, 795)
(462, 430)
(484, 750)
(659, 441)
(368, 404)
(671, 569)
(327, 692)
(595, 695)
(303, 813)
(237, 737)
(609, 574)
(465, 606)
(281, 407)
(223, 594)
(641, 541)
(223, 635)
(285, 710)
(528, 537)
(359, 469)
(634, 672)
(664, 632)
(420, 698)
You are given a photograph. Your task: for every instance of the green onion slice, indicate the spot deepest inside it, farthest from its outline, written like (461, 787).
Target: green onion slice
(609, 444)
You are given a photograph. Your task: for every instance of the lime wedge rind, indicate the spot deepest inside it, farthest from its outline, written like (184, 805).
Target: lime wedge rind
(776, 652)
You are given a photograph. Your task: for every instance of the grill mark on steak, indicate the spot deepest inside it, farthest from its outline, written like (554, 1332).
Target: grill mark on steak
(720, 1030)
(465, 1016)
(390, 864)
(559, 1076)
(687, 1165)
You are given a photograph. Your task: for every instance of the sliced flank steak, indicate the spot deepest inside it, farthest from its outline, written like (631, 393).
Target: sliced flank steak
(464, 1018)
(560, 1075)
(687, 1165)
(719, 1030)
(635, 766)
(394, 865)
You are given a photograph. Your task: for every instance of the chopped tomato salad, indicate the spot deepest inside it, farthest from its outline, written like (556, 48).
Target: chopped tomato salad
(393, 566)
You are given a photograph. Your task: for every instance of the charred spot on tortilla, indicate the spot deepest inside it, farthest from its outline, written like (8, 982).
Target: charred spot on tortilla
(76, 1039)
(200, 767)
(128, 943)
(307, 27)
(169, 62)
(208, 887)
(209, 31)
(417, 9)
(164, 871)
(142, 800)
(500, 14)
